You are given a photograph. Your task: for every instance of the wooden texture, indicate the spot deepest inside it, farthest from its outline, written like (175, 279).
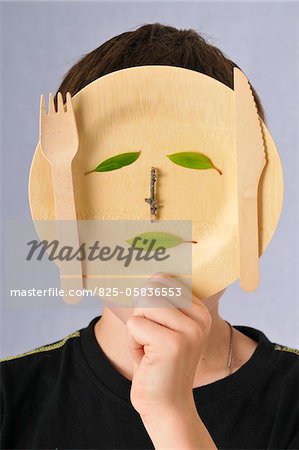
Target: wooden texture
(162, 110)
(251, 160)
(59, 144)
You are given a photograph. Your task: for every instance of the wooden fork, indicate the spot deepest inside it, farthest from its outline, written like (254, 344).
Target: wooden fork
(59, 143)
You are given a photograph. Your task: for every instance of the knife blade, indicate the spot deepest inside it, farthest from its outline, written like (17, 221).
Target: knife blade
(251, 160)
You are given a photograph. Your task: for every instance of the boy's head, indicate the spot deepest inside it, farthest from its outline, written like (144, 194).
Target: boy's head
(152, 44)
(160, 110)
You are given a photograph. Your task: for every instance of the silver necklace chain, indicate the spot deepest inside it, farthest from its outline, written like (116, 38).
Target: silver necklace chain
(230, 354)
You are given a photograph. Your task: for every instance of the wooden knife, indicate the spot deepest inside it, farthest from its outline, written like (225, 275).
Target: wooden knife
(251, 160)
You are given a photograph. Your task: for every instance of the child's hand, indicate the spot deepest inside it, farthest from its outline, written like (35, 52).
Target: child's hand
(166, 344)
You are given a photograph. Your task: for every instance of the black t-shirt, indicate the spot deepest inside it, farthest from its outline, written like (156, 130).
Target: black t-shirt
(68, 395)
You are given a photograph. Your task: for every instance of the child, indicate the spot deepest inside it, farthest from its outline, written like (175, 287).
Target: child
(157, 378)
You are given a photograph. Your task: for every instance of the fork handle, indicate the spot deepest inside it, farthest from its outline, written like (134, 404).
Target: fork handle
(67, 230)
(248, 243)
(63, 190)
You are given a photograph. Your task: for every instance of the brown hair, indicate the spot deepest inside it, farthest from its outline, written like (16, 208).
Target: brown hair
(152, 44)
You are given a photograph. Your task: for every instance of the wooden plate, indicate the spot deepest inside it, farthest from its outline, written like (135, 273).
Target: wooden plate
(162, 110)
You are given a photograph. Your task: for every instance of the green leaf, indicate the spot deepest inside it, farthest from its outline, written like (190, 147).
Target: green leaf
(162, 240)
(192, 160)
(116, 162)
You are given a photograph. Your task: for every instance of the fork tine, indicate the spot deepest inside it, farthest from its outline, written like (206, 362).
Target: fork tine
(60, 107)
(42, 106)
(69, 106)
(42, 115)
(51, 104)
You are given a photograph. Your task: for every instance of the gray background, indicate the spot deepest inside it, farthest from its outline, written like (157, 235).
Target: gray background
(41, 40)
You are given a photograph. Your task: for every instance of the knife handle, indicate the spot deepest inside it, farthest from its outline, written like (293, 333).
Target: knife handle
(249, 243)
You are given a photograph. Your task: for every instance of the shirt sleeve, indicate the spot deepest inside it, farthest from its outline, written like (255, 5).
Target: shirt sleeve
(294, 444)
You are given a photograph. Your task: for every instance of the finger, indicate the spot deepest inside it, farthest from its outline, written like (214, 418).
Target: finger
(168, 280)
(147, 333)
(155, 297)
(135, 348)
(177, 284)
(176, 293)
(166, 315)
(195, 311)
